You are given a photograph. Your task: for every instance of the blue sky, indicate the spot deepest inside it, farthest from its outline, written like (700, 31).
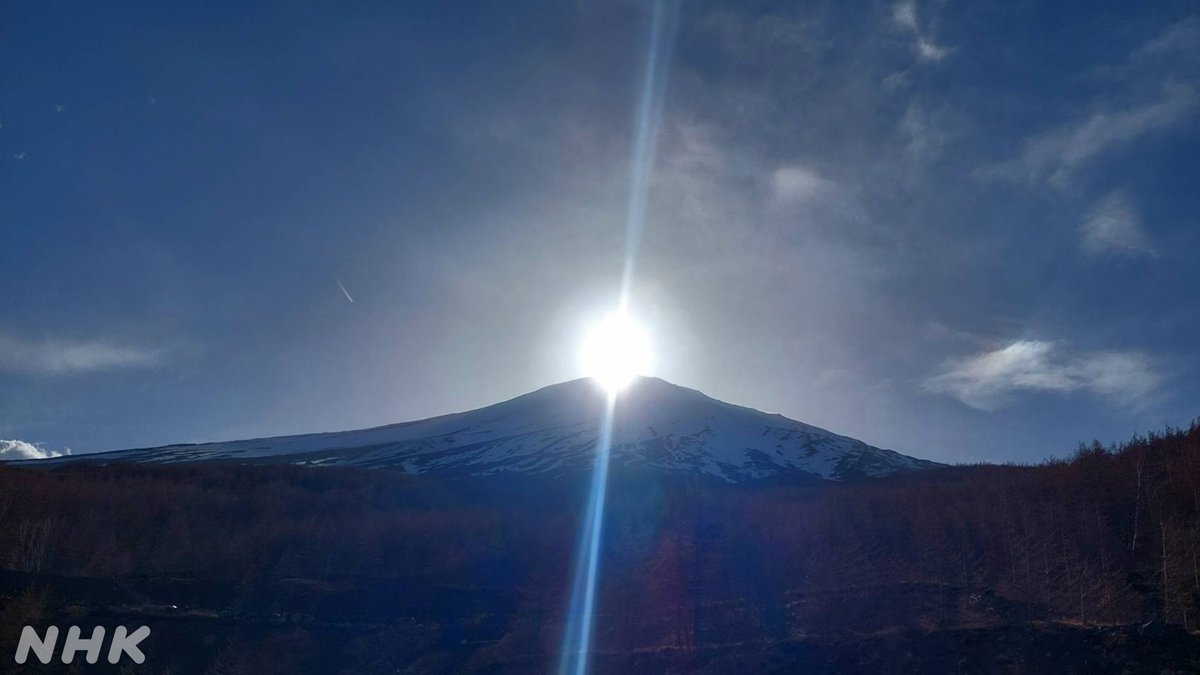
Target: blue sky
(965, 231)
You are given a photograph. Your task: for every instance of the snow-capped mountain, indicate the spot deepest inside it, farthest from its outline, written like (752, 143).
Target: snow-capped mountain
(657, 425)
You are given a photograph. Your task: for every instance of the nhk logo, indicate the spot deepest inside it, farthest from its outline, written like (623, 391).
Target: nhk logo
(123, 643)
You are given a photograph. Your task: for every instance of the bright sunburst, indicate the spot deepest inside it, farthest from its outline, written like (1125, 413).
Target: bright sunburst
(615, 351)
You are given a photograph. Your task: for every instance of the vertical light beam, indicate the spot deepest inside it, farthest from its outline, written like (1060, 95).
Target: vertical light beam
(647, 122)
(578, 636)
(647, 119)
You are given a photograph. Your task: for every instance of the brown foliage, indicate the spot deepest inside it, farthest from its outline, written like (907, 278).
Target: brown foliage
(1110, 536)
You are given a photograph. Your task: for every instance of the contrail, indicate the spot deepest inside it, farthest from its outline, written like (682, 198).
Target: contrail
(344, 291)
(648, 118)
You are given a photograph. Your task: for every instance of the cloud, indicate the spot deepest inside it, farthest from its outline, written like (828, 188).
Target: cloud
(1152, 90)
(990, 380)
(926, 135)
(692, 170)
(1179, 44)
(930, 51)
(14, 450)
(1115, 227)
(59, 357)
(800, 194)
(904, 18)
(904, 15)
(797, 183)
(1057, 154)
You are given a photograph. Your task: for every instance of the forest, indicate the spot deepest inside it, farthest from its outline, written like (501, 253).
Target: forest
(287, 569)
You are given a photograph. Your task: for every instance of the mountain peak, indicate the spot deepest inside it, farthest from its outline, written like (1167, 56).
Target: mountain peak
(657, 426)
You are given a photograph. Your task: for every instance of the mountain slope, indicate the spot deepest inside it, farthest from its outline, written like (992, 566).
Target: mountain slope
(658, 425)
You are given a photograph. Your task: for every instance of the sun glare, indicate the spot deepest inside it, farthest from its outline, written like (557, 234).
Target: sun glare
(615, 351)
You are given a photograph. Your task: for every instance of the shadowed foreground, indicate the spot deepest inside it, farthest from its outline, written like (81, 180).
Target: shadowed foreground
(1082, 566)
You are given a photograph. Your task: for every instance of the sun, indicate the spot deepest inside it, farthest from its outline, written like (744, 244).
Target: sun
(615, 351)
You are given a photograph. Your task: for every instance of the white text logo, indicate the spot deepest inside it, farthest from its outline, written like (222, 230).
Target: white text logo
(123, 643)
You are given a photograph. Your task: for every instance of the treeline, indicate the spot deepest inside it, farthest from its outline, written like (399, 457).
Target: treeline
(1111, 536)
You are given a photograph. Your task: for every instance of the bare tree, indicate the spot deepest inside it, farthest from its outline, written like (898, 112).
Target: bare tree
(32, 540)
(1140, 466)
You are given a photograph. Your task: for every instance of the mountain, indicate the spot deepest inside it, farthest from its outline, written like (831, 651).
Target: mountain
(658, 426)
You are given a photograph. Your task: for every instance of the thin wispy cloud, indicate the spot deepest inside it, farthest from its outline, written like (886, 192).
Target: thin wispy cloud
(797, 183)
(1178, 45)
(1056, 155)
(14, 450)
(904, 15)
(60, 357)
(1153, 90)
(694, 166)
(929, 51)
(904, 18)
(927, 132)
(993, 379)
(1115, 227)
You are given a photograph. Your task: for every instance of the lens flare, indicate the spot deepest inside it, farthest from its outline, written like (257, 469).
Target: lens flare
(578, 636)
(618, 350)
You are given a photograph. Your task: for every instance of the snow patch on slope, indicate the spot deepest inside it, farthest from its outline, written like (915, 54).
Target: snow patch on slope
(658, 425)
